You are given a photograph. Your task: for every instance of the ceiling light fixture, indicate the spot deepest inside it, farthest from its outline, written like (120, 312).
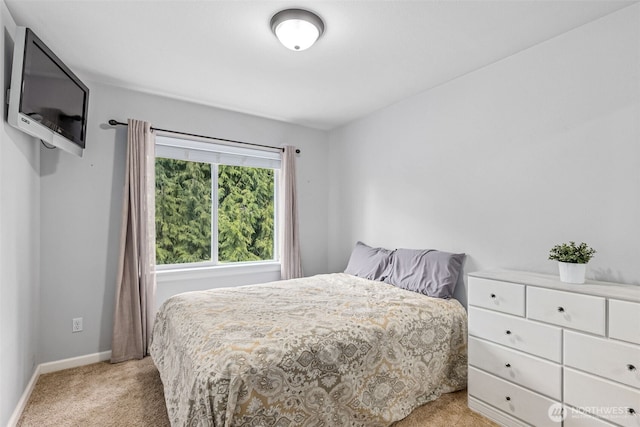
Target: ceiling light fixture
(297, 29)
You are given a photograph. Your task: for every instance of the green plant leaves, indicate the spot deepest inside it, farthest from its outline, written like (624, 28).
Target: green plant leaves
(245, 213)
(570, 252)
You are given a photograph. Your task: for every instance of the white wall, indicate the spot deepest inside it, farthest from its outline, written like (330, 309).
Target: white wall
(82, 198)
(19, 245)
(502, 163)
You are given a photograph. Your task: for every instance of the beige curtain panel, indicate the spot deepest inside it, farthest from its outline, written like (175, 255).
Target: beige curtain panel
(290, 261)
(135, 292)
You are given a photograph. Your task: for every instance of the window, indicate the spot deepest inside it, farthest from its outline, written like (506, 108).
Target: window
(215, 204)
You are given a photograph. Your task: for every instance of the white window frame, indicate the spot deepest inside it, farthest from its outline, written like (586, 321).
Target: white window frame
(195, 149)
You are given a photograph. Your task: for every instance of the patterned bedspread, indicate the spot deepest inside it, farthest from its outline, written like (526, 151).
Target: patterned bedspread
(328, 350)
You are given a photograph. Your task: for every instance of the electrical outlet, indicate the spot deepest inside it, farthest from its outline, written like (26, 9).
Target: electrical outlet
(77, 325)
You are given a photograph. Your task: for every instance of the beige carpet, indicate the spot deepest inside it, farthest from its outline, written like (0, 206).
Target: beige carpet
(130, 394)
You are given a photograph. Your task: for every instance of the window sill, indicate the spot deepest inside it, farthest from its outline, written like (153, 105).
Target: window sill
(172, 274)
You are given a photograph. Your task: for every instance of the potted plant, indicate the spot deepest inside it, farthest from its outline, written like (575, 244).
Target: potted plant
(572, 260)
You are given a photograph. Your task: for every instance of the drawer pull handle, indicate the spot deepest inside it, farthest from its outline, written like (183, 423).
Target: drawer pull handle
(631, 367)
(508, 365)
(560, 309)
(493, 296)
(631, 411)
(508, 398)
(508, 332)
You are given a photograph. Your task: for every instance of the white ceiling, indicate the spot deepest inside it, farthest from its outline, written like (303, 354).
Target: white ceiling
(223, 54)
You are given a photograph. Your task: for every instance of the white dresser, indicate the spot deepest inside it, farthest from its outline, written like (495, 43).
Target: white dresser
(547, 353)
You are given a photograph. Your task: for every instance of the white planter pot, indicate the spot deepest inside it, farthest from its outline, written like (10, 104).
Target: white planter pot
(571, 272)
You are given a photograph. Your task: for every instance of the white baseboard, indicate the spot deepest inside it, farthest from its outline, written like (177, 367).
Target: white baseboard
(74, 362)
(45, 368)
(22, 403)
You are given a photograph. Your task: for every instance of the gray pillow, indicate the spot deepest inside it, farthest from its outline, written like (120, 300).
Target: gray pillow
(429, 272)
(367, 262)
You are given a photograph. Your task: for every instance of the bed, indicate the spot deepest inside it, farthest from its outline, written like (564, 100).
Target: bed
(327, 350)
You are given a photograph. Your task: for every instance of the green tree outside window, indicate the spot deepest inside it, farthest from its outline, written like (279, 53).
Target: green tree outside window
(245, 216)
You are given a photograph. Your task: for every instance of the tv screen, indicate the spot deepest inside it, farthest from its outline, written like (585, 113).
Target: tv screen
(50, 95)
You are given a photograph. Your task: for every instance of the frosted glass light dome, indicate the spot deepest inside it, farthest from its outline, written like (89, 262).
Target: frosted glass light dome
(297, 29)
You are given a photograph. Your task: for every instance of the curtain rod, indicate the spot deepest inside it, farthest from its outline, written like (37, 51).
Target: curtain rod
(113, 122)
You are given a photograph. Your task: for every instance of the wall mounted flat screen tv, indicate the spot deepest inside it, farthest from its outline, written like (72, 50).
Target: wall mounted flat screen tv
(47, 100)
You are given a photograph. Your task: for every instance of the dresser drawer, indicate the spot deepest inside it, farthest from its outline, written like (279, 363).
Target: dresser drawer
(615, 402)
(510, 398)
(614, 360)
(528, 371)
(521, 334)
(582, 312)
(624, 320)
(500, 296)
